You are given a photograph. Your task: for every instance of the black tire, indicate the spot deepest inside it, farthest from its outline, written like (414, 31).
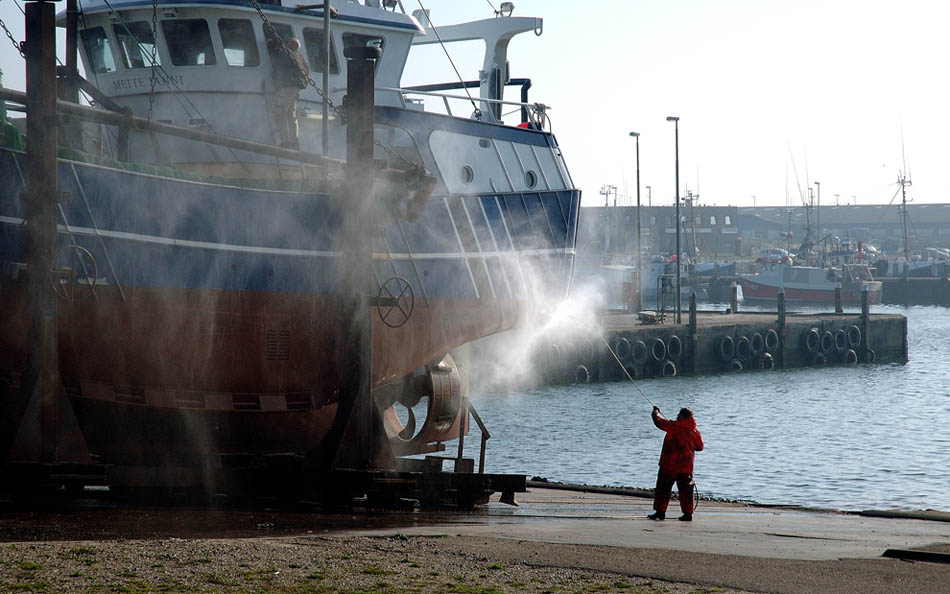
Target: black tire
(581, 375)
(767, 362)
(850, 357)
(668, 369)
(757, 344)
(734, 365)
(586, 353)
(771, 341)
(640, 352)
(727, 349)
(827, 343)
(819, 359)
(674, 347)
(632, 370)
(870, 356)
(854, 336)
(622, 349)
(743, 349)
(811, 340)
(841, 341)
(658, 349)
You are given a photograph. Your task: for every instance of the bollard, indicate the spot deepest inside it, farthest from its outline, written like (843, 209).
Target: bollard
(782, 330)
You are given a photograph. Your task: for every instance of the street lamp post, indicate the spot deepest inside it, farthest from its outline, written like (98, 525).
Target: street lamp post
(636, 135)
(676, 127)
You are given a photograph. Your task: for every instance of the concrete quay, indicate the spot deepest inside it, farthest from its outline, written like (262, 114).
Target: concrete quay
(708, 342)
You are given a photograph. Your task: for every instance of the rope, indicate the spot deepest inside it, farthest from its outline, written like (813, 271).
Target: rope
(151, 92)
(478, 112)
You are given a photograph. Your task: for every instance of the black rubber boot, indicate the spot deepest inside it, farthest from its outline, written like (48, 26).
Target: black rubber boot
(657, 516)
(686, 518)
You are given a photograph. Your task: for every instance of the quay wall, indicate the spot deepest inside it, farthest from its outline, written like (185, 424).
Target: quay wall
(712, 343)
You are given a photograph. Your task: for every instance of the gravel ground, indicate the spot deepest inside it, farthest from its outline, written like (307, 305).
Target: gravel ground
(327, 564)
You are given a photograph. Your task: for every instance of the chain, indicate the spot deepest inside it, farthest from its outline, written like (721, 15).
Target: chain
(338, 110)
(16, 44)
(151, 94)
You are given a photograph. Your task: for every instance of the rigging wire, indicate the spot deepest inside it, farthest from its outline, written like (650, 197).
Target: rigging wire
(478, 112)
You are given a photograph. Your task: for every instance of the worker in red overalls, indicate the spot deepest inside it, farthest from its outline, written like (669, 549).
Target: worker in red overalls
(676, 462)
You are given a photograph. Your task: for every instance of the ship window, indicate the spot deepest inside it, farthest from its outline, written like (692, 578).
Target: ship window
(712, 220)
(136, 44)
(314, 40)
(728, 221)
(189, 42)
(237, 39)
(98, 50)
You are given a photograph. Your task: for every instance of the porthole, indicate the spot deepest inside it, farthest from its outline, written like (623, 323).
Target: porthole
(484, 142)
(531, 179)
(468, 174)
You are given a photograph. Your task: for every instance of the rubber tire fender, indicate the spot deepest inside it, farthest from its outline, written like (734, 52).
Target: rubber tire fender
(674, 347)
(640, 352)
(841, 341)
(854, 336)
(727, 348)
(771, 341)
(819, 359)
(827, 343)
(870, 356)
(668, 369)
(811, 340)
(622, 348)
(850, 357)
(767, 362)
(658, 349)
(581, 375)
(743, 349)
(734, 365)
(757, 345)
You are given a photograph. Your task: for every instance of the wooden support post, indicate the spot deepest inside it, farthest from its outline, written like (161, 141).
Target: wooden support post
(463, 421)
(838, 307)
(866, 321)
(693, 332)
(42, 371)
(782, 329)
(734, 298)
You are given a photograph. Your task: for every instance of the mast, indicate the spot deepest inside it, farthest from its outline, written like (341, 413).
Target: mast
(904, 182)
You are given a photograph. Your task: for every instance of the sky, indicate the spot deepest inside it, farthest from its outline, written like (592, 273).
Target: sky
(772, 96)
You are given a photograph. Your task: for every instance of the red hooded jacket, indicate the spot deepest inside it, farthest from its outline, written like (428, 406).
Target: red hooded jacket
(681, 441)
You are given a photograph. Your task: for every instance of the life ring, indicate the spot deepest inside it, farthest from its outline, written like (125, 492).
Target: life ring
(827, 342)
(756, 344)
(854, 336)
(810, 340)
(771, 341)
(850, 357)
(581, 375)
(622, 348)
(727, 348)
(869, 356)
(743, 348)
(668, 369)
(658, 349)
(734, 365)
(841, 341)
(674, 347)
(819, 359)
(639, 352)
(767, 362)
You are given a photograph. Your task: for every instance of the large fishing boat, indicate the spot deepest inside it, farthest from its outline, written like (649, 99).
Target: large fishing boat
(809, 284)
(199, 309)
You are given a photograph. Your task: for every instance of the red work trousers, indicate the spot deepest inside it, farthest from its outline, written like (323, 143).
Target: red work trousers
(664, 489)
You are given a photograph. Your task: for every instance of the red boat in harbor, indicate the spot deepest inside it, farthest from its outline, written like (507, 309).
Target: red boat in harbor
(810, 284)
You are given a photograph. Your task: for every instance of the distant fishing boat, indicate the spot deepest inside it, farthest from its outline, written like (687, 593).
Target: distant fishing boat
(809, 284)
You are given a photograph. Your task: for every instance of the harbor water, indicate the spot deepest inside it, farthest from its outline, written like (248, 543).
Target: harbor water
(844, 437)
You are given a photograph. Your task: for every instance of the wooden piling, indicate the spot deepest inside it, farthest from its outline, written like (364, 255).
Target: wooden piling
(782, 329)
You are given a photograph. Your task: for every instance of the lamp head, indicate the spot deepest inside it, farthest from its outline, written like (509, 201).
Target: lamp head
(506, 9)
(672, 119)
(635, 134)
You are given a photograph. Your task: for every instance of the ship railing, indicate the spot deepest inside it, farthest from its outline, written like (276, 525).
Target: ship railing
(125, 122)
(536, 113)
(468, 409)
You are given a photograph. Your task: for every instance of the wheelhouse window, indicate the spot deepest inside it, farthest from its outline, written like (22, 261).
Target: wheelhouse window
(98, 50)
(240, 45)
(136, 44)
(189, 42)
(315, 41)
(712, 220)
(727, 220)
